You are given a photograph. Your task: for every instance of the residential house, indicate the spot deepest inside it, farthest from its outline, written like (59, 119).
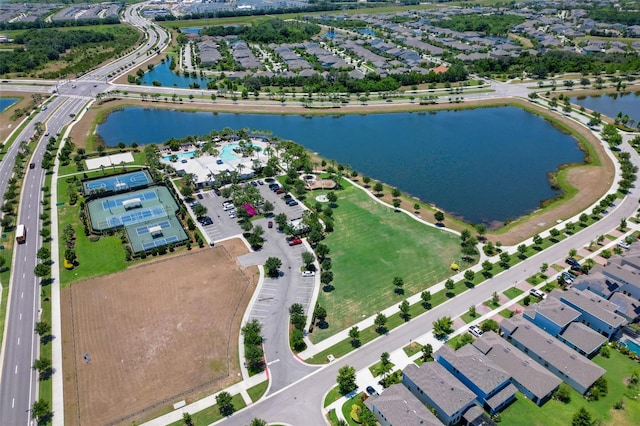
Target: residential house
(551, 315)
(491, 384)
(435, 386)
(576, 370)
(582, 339)
(397, 406)
(531, 378)
(596, 312)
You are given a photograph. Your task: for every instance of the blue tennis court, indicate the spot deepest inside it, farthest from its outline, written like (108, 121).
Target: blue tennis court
(136, 217)
(142, 230)
(158, 242)
(118, 201)
(119, 182)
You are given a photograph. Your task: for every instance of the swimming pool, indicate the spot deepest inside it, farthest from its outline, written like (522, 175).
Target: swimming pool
(227, 153)
(180, 156)
(633, 346)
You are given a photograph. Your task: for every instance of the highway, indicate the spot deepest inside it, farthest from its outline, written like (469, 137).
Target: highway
(20, 345)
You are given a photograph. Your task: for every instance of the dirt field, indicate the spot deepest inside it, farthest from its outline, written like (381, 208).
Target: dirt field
(156, 334)
(591, 181)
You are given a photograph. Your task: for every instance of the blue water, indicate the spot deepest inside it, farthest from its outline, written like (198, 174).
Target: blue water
(485, 165)
(180, 155)
(633, 347)
(367, 31)
(168, 78)
(227, 153)
(7, 102)
(192, 30)
(330, 34)
(611, 105)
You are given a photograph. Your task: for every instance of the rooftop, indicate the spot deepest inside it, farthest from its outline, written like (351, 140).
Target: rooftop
(583, 337)
(565, 360)
(525, 371)
(591, 303)
(442, 387)
(400, 407)
(553, 309)
(480, 370)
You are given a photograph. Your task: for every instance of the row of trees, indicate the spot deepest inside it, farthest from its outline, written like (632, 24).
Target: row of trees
(253, 352)
(267, 31)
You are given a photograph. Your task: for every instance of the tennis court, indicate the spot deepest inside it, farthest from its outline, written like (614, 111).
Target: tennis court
(119, 201)
(131, 208)
(118, 182)
(155, 233)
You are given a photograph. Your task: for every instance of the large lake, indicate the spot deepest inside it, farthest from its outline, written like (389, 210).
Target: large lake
(485, 165)
(611, 105)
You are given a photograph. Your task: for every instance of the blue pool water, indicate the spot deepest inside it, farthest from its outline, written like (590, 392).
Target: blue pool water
(7, 102)
(227, 153)
(633, 346)
(192, 30)
(367, 31)
(180, 155)
(484, 165)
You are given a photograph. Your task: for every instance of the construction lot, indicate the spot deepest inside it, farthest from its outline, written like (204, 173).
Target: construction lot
(137, 342)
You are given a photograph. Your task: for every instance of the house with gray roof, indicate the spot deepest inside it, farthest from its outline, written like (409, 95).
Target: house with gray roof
(625, 270)
(491, 384)
(595, 312)
(626, 306)
(582, 339)
(531, 378)
(397, 406)
(576, 370)
(435, 386)
(551, 315)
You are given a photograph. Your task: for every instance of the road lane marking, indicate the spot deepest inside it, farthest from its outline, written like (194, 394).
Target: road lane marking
(18, 340)
(20, 316)
(16, 372)
(13, 402)
(22, 295)
(273, 362)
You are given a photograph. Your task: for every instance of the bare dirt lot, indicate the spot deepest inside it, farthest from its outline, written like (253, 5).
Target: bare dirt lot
(156, 334)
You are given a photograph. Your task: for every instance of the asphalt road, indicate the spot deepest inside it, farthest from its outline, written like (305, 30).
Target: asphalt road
(18, 383)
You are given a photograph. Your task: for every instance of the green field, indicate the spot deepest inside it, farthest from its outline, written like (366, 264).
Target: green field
(554, 413)
(371, 245)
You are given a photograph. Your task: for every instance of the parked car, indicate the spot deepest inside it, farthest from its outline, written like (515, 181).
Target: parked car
(270, 224)
(624, 245)
(287, 197)
(217, 191)
(537, 293)
(279, 191)
(232, 215)
(371, 391)
(293, 203)
(308, 274)
(200, 197)
(572, 261)
(205, 220)
(254, 183)
(260, 183)
(476, 331)
(295, 242)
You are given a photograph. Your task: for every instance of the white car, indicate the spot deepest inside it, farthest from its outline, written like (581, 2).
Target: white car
(537, 293)
(232, 215)
(624, 245)
(476, 331)
(228, 207)
(308, 274)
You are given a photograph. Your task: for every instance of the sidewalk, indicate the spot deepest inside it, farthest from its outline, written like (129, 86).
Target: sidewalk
(208, 401)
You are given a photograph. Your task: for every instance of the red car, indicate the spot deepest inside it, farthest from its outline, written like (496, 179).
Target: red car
(279, 191)
(295, 242)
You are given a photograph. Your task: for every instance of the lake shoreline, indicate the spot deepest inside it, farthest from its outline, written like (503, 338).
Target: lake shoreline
(582, 184)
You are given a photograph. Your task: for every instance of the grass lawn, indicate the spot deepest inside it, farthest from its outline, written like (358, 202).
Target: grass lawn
(371, 245)
(513, 292)
(467, 317)
(97, 258)
(375, 368)
(346, 408)
(524, 412)
(212, 414)
(506, 313)
(412, 349)
(333, 395)
(256, 392)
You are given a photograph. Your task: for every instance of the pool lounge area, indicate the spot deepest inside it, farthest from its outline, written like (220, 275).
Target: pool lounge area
(631, 345)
